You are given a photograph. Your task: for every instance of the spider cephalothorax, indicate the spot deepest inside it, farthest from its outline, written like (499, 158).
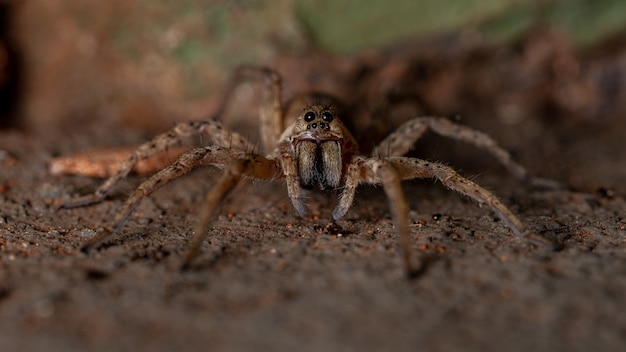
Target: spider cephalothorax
(321, 144)
(315, 151)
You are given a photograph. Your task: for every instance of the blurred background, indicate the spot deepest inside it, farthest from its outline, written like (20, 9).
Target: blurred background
(147, 64)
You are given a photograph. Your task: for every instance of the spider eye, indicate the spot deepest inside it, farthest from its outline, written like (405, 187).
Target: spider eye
(309, 116)
(327, 116)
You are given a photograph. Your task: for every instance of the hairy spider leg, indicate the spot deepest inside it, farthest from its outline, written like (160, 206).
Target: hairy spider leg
(400, 141)
(211, 129)
(235, 163)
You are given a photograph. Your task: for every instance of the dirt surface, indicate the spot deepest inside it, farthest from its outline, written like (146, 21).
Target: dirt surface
(268, 280)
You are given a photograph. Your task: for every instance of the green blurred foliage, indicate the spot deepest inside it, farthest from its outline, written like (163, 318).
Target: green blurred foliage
(349, 26)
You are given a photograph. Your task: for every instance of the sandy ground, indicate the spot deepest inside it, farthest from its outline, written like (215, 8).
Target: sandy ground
(268, 280)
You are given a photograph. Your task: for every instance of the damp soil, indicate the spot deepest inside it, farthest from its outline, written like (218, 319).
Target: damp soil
(267, 279)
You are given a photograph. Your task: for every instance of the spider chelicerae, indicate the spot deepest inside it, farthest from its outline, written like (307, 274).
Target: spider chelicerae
(315, 152)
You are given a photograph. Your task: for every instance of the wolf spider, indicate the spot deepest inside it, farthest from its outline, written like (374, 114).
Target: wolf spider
(315, 152)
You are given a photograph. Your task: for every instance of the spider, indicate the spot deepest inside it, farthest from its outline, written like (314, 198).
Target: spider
(315, 152)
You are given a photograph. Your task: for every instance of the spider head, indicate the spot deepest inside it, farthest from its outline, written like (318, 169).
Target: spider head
(318, 138)
(318, 122)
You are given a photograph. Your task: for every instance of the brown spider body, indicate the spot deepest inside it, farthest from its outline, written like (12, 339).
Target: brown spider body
(315, 152)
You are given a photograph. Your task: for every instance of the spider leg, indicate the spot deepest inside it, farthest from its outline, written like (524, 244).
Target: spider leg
(270, 109)
(390, 178)
(252, 165)
(351, 182)
(290, 171)
(226, 183)
(210, 129)
(409, 168)
(380, 171)
(399, 142)
(255, 166)
(390, 171)
(185, 163)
